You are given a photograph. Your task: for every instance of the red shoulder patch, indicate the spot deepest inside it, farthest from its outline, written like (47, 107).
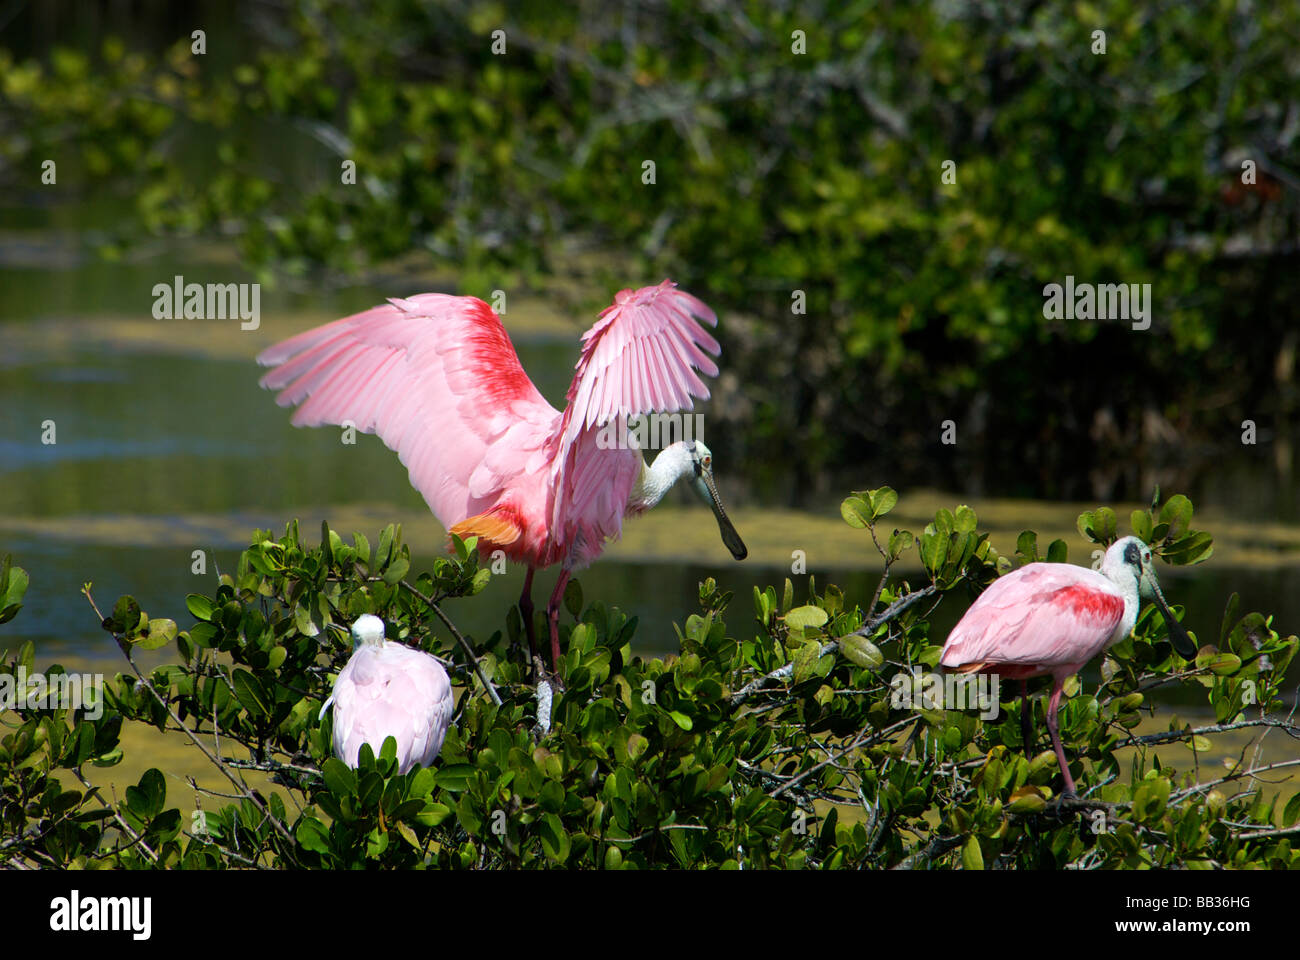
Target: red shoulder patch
(1089, 604)
(492, 357)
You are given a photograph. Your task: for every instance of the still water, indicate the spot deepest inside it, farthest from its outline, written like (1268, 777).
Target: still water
(164, 444)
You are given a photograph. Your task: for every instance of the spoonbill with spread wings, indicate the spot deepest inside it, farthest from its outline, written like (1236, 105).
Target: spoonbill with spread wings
(437, 378)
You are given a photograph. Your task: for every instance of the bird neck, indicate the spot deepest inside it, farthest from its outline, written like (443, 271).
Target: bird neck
(657, 478)
(1121, 575)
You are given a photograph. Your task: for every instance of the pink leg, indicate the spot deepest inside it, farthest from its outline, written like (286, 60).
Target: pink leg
(1052, 705)
(526, 611)
(553, 617)
(1026, 719)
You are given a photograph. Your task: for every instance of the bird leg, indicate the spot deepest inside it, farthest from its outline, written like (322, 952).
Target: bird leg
(526, 611)
(1053, 705)
(553, 617)
(1026, 718)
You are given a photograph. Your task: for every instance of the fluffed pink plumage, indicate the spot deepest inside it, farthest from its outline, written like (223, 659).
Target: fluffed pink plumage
(437, 378)
(387, 689)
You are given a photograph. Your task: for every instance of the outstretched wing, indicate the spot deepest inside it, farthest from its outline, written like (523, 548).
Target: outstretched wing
(640, 357)
(437, 378)
(1042, 616)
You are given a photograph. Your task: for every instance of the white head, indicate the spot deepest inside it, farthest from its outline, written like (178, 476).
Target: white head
(367, 629)
(1129, 561)
(692, 460)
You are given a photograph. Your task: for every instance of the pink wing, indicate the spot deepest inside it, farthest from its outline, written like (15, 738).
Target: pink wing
(437, 378)
(640, 357)
(1044, 615)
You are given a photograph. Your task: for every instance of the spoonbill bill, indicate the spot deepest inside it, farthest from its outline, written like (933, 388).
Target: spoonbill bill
(387, 689)
(437, 378)
(1051, 619)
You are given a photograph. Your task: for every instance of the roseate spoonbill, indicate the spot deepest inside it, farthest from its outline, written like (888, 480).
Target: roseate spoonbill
(437, 378)
(1051, 619)
(387, 689)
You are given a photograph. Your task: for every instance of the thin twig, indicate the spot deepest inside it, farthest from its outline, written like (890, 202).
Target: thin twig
(243, 788)
(464, 644)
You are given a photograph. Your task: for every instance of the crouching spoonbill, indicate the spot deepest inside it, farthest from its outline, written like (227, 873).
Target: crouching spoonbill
(437, 378)
(1051, 619)
(387, 689)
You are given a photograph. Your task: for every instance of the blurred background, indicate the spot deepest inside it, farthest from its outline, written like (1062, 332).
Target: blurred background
(798, 153)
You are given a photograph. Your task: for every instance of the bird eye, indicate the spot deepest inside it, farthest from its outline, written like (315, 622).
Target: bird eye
(708, 461)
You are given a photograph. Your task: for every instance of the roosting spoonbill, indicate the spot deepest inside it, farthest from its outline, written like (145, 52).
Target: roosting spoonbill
(1052, 618)
(388, 689)
(437, 378)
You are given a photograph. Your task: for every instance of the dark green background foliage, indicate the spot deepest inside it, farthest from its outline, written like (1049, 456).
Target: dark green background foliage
(775, 172)
(773, 739)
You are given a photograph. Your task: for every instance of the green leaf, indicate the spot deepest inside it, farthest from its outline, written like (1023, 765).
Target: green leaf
(681, 719)
(882, 500)
(555, 842)
(362, 548)
(856, 512)
(433, 814)
(339, 778)
(126, 615)
(934, 550)
(303, 621)
(313, 835)
(1178, 514)
(1291, 813)
(158, 634)
(971, 857)
(13, 585)
(146, 800)
(573, 597)
(1194, 548)
(250, 693)
(861, 651)
(808, 616)
(1150, 798)
(1027, 799)
(900, 542)
(396, 571)
(1027, 546)
(1220, 664)
(455, 777)
(1229, 617)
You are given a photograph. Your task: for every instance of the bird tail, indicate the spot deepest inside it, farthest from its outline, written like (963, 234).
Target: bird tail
(498, 528)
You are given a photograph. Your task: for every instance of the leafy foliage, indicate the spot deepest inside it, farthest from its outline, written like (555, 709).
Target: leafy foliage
(776, 171)
(773, 739)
